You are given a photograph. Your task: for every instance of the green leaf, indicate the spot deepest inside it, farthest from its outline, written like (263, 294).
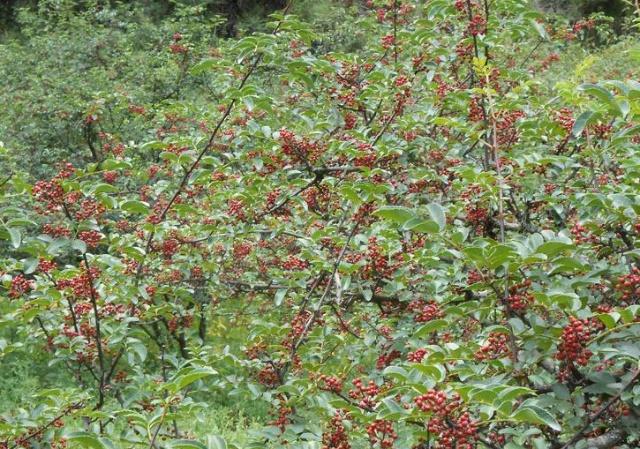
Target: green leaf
(553, 248)
(581, 123)
(139, 348)
(609, 319)
(437, 214)
(202, 66)
(604, 96)
(499, 254)
(435, 372)
(86, 440)
(79, 245)
(279, 296)
(597, 91)
(216, 442)
(535, 415)
(396, 372)
(540, 29)
(186, 444)
(394, 410)
(16, 237)
(510, 393)
(419, 225)
(193, 375)
(136, 207)
(430, 327)
(105, 188)
(396, 214)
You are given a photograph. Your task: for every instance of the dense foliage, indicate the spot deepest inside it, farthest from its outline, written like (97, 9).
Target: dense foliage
(386, 228)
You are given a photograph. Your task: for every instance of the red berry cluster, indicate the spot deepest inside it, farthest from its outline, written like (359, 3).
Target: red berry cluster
(385, 359)
(294, 263)
(387, 41)
(179, 322)
(437, 402)
(268, 376)
(283, 417)
(461, 5)
(272, 206)
(564, 118)
(455, 433)
(473, 277)
(196, 273)
(175, 47)
(82, 283)
(573, 342)
(236, 209)
(582, 234)
(381, 432)
(546, 62)
(497, 346)
(82, 308)
(464, 50)
(425, 311)
(316, 197)
(628, 286)
(110, 176)
(417, 355)
(366, 156)
(61, 443)
(299, 149)
(56, 231)
(454, 427)
(336, 436)
(519, 298)
(50, 193)
(587, 24)
(476, 113)
(602, 130)
(169, 248)
(377, 263)
(364, 394)
(45, 266)
(256, 350)
(507, 133)
(112, 309)
(350, 121)
(331, 383)
(88, 209)
(90, 238)
(136, 109)
(497, 438)
(298, 324)
(20, 286)
(363, 214)
(241, 250)
(477, 25)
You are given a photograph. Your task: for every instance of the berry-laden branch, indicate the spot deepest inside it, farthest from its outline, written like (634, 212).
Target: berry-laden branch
(210, 144)
(96, 314)
(593, 418)
(22, 441)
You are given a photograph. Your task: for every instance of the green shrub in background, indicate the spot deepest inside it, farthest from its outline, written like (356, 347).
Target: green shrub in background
(66, 67)
(71, 61)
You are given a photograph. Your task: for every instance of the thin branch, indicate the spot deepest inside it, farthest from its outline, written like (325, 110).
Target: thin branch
(593, 418)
